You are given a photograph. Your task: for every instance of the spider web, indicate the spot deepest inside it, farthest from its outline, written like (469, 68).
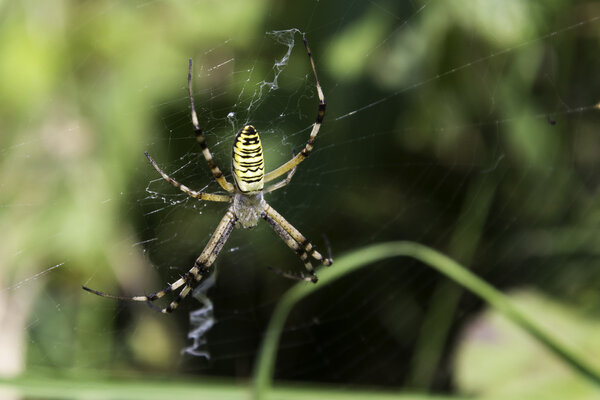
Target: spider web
(475, 134)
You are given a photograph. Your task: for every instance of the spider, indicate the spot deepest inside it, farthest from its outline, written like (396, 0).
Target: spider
(246, 201)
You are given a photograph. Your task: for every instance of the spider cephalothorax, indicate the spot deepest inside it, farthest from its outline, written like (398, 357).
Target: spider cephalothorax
(247, 203)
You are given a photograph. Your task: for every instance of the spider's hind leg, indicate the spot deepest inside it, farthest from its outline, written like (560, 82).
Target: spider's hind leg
(299, 237)
(293, 277)
(147, 298)
(294, 245)
(194, 276)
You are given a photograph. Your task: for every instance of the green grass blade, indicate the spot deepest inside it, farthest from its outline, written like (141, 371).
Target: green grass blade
(368, 255)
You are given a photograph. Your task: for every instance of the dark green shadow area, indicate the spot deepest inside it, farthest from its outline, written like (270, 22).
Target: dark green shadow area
(366, 256)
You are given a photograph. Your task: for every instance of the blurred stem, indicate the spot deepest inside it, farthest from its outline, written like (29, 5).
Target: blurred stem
(446, 296)
(363, 257)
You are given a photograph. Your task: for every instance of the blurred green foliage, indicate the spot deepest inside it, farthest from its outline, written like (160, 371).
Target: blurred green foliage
(469, 127)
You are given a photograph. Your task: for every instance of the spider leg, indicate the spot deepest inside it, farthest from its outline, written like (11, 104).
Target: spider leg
(283, 182)
(218, 175)
(201, 268)
(288, 275)
(315, 129)
(298, 237)
(185, 189)
(151, 297)
(292, 244)
(328, 245)
(192, 278)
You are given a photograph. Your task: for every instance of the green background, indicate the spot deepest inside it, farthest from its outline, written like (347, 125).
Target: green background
(467, 126)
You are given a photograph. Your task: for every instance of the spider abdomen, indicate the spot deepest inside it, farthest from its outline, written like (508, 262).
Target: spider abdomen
(248, 163)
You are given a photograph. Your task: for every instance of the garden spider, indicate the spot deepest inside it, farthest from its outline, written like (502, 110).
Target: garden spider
(246, 200)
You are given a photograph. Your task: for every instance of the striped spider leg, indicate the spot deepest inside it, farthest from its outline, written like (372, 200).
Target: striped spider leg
(315, 129)
(200, 270)
(297, 242)
(214, 169)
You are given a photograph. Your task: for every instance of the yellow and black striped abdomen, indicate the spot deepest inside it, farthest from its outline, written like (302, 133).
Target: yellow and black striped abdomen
(248, 160)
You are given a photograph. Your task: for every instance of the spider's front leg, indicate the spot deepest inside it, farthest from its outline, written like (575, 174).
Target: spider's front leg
(315, 129)
(284, 181)
(185, 189)
(214, 169)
